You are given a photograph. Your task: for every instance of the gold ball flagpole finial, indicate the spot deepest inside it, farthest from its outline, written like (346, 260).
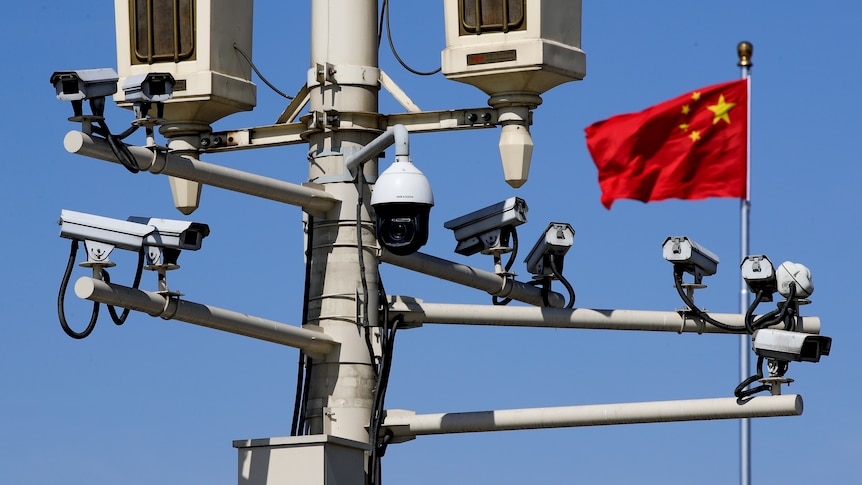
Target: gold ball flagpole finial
(745, 50)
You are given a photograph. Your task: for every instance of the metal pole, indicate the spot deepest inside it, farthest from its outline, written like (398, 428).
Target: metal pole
(406, 425)
(418, 312)
(745, 50)
(158, 305)
(492, 283)
(308, 198)
(343, 282)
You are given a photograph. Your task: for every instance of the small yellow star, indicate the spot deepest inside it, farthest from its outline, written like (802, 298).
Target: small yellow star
(695, 135)
(683, 127)
(695, 95)
(721, 109)
(686, 109)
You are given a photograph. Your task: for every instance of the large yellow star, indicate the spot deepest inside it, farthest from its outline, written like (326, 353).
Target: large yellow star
(720, 110)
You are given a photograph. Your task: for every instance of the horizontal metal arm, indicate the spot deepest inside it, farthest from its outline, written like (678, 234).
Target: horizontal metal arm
(154, 304)
(310, 199)
(417, 312)
(473, 277)
(406, 425)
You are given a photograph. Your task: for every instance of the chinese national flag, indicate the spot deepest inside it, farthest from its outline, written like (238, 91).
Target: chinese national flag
(691, 147)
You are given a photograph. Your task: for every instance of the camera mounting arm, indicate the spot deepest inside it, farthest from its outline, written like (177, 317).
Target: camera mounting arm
(397, 135)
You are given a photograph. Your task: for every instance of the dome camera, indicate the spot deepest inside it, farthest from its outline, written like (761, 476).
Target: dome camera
(402, 202)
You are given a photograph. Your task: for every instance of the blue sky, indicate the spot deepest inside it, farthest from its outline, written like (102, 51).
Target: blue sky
(160, 401)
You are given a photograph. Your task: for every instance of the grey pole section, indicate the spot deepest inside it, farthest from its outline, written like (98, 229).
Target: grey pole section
(418, 312)
(494, 284)
(745, 50)
(343, 282)
(407, 425)
(173, 165)
(158, 305)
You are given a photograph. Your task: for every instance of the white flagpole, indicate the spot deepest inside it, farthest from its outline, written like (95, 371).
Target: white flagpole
(745, 51)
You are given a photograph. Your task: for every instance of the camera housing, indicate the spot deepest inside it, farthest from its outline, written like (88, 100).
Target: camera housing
(690, 256)
(102, 234)
(402, 201)
(788, 346)
(151, 87)
(550, 249)
(83, 84)
(759, 274)
(173, 234)
(488, 228)
(126, 235)
(790, 272)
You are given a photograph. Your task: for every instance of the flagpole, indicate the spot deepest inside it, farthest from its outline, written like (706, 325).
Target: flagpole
(745, 51)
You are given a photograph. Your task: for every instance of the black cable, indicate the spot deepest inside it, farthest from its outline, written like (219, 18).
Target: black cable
(741, 392)
(509, 264)
(363, 309)
(300, 372)
(118, 148)
(386, 10)
(779, 314)
(677, 274)
(564, 281)
(248, 59)
(128, 132)
(303, 365)
(378, 449)
(121, 319)
(380, 24)
(749, 314)
(61, 297)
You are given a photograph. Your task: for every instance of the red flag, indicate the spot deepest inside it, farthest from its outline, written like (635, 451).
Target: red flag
(691, 147)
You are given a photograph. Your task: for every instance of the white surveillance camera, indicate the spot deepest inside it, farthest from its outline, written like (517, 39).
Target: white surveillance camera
(550, 248)
(759, 274)
(488, 228)
(88, 227)
(796, 273)
(788, 346)
(690, 256)
(144, 90)
(402, 202)
(84, 84)
(174, 234)
(152, 87)
(102, 234)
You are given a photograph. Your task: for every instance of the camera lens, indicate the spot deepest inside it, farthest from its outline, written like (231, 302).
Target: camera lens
(400, 230)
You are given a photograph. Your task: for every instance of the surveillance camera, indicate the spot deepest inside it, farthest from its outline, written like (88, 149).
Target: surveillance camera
(787, 346)
(796, 273)
(488, 228)
(550, 248)
(87, 227)
(691, 257)
(102, 234)
(145, 89)
(402, 202)
(151, 87)
(174, 234)
(84, 84)
(759, 274)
